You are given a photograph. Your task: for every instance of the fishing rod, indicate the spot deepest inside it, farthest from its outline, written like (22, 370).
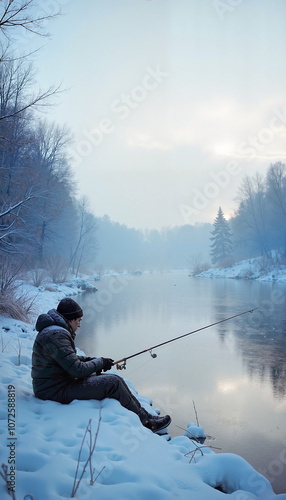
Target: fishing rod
(121, 363)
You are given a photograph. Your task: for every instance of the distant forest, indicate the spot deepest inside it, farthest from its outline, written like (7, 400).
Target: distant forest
(45, 225)
(120, 247)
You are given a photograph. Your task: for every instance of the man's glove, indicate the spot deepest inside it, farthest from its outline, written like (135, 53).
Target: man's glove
(107, 364)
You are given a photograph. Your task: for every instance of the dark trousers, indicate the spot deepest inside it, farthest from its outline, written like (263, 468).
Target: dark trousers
(104, 386)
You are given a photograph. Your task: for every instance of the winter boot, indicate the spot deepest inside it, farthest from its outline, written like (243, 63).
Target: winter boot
(157, 424)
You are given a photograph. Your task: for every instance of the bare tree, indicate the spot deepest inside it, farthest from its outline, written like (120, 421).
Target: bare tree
(276, 185)
(23, 15)
(20, 17)
(252, 210)
(15, 238)
(33, 162)
(36, 190)
(86, 242)
(54, 176)
(276, 194)
(37, 101)
(16, 138)
(16, 79)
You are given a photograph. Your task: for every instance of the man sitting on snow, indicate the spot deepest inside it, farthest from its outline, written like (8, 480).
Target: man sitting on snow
(59, 374)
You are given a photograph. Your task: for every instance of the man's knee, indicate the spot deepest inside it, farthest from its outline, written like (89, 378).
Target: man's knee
(113, 384)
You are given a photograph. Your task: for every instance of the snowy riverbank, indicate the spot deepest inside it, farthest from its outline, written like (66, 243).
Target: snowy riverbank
(135, 463)
(255, 268)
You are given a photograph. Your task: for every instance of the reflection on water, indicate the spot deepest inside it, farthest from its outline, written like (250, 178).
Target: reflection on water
(235, 371)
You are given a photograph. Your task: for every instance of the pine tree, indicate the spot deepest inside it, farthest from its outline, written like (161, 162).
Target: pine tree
(221, 246)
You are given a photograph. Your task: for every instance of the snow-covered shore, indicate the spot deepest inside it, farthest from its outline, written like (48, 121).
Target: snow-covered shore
(248, 269)
(134, 462)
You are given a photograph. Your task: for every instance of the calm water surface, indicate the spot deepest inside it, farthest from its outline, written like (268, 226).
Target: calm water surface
(235, 372)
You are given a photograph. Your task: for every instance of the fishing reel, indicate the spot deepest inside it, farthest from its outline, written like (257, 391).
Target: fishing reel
(121, 365)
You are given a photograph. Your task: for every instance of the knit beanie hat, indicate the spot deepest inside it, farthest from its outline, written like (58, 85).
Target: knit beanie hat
(69, 309)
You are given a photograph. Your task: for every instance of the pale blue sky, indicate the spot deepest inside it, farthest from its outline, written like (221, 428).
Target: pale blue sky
(163, 95)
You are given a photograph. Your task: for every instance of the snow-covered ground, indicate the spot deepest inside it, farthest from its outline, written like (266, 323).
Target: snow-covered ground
(248, 269)
(41, 446)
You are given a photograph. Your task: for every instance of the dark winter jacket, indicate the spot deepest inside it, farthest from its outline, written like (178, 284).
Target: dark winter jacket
(55, 363)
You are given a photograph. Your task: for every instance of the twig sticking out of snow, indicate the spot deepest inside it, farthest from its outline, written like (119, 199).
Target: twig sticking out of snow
(186, 430)
(198, 448)
(7, 343)
(91, 445)
(197, 420)
(92, 448)
(193, 452)
(19, 350)
(4, 474)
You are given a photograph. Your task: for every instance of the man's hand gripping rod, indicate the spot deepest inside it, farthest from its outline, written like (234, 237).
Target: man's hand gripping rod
(121, 363)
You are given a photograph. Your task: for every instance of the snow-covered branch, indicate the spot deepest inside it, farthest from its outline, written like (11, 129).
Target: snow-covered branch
(14, 207)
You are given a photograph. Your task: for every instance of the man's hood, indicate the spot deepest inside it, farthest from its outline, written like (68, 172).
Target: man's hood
(51, 318)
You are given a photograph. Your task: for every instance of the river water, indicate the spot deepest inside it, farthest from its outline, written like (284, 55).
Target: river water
(234, 372)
